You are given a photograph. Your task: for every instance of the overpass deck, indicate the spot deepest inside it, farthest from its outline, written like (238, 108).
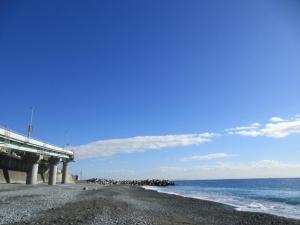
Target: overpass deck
(19, 143)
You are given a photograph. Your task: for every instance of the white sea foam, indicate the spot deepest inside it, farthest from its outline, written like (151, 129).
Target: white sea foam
(154, 188)
(240, 204)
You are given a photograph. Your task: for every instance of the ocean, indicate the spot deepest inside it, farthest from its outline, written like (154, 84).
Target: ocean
(274, 196)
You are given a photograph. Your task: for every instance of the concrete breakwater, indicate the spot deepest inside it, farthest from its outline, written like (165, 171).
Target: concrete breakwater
(148, 182)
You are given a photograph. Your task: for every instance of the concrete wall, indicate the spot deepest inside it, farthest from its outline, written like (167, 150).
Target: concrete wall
(20, 177)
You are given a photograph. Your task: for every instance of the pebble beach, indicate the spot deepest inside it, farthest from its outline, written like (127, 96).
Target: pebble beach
(117, 204)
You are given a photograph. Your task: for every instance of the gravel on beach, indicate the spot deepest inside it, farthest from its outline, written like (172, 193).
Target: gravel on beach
(96, 204)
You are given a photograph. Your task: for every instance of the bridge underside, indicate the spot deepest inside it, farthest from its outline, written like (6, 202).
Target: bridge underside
(18, 153)
(13, 170)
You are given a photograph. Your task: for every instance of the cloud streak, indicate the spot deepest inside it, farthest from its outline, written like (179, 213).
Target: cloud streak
(206, 157)
(111, 147)
(256, 169)
(275, 128)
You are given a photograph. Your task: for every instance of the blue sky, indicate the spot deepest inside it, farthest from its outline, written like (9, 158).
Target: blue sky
(117, 70)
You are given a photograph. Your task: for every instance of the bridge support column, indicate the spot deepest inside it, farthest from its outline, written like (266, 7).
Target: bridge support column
(32, 174)
(53, 170)
(32, 170)
(6, 176)
(65, 172)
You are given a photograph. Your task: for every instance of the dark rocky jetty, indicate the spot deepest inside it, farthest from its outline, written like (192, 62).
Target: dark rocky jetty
(152, 182)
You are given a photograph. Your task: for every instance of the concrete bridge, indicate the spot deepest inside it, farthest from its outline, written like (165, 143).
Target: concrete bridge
(20, 153)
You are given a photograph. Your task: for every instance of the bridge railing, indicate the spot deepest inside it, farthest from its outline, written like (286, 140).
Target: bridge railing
(6, 132)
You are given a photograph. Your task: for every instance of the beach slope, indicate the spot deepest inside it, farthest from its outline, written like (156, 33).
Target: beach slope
(71, 204)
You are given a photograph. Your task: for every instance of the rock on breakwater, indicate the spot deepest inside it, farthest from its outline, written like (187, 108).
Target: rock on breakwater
(148, 182)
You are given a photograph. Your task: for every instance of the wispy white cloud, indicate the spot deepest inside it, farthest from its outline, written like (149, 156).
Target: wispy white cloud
(276, 119)
(276, 128)
(139, 144)
(256, 169)
(252, 126)
(206, 157)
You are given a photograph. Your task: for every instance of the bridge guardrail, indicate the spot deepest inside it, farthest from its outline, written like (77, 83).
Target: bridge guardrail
(21, 138)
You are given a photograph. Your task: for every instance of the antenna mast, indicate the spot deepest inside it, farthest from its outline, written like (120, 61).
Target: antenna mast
(30, 124)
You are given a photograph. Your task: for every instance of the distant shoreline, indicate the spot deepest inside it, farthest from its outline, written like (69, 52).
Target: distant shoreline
(267, 178)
